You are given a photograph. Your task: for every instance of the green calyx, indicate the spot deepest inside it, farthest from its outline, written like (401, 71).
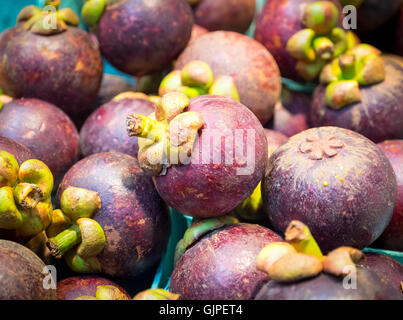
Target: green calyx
(167, 136)
(198, 229)
(92, 11)
(196, 79)
(25, 204)
(106, 292)
(156, 294)
(78, 203)
(48, 21)
(361, 65)
(252, 207)
(321, 40)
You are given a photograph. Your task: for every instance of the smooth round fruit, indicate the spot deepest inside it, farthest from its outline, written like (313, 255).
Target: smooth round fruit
(105, 129)
(229, 15)
(19, 151)
(45, 129)
(74, 287)
(254, 70)
(379, 115)
(222, 264)
(134, 218)
(223, 175)
(22, 274)
(334, 180)
(392, 237)
(64, 68)
(139, 37)
(111, 86)
(197, 32)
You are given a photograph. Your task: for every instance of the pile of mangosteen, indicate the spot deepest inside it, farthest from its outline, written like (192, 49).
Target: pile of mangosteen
(283, 149)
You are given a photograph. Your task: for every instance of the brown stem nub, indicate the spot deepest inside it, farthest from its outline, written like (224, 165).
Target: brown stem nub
(135, 124)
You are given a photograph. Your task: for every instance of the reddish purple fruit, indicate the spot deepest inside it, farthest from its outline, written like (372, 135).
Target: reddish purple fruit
(274, 140)
(379, 115)
(105, 130)
(276, 23)
(134, 218)
(232, 15)
(74, 287)
(252, 67)
(221, 265)
(291, 115)
(389, 270)
(392, 237)
(328, 287)
(22, 274)
(334, 180)
(45, 129)
(197, 32)
(19, 151)
(63, 67)
(217, 184)
(139, 37)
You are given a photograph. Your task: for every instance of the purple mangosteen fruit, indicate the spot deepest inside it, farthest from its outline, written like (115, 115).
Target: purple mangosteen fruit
(134, 219)
(111, 86)
(105, 130)
(367, 100)
(301, 35)
(392, 237)
(22, 274)
(232, 15)
(19, 151)
(206, 155)
(60, 64)
(139, 37)
(291, 114)
(388, 269)
(252, 67)
(197, 32)
(45, 129)
(334, 180)
(87, 286)
(216, 260)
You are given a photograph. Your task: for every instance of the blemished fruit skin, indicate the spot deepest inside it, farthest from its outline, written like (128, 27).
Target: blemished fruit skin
(229, 15)
(45, 129)
(111, 86)
(19, 151)
(276, 23)
(64, 69)
(221, 177)
(392, 237)
(74, 287)
(162, 29)
(222, 264)
(379, 115)
(336, 181)
(254, 70)
(105, 128)
(134, 218)
(328, 287)
(22, 274)
(291, 114)
(389, 270)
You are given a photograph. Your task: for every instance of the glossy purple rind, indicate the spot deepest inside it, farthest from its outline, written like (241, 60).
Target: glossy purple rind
(19, 151)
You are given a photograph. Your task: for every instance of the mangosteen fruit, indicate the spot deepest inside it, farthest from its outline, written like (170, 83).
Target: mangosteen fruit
(252, 67)
(392, 237)
(19, 151)
(45, 129)
(334, 180)
(87, 286)
(216, 260)
(197, 32)
(105, 130)
(301, 35)
(206, 155)
(133, 217)
(388, 269)
(361, 91)
(111, 86)
(232, 15)
(155, 294)
(291, 114)
(23, 275)
(162, 29)
(46, 56)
